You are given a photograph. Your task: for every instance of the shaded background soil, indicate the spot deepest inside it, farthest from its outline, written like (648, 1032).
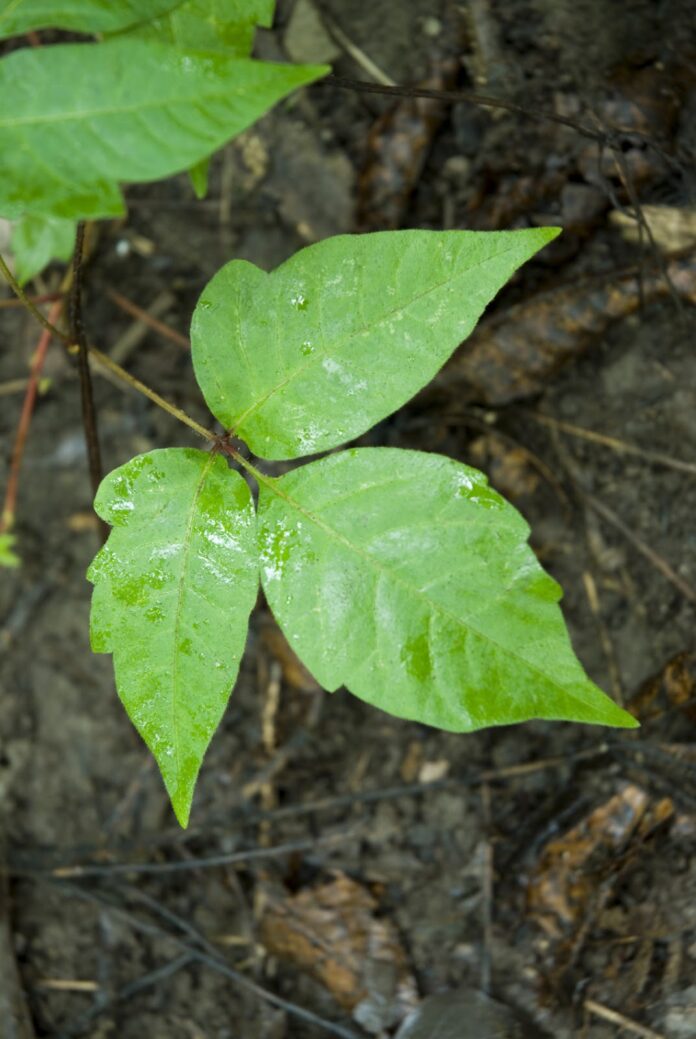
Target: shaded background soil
(451, 836)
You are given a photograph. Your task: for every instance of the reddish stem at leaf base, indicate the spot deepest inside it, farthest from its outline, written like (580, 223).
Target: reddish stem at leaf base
(8, 509)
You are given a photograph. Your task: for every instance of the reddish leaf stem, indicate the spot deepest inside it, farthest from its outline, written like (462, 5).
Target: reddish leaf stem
(8, 509)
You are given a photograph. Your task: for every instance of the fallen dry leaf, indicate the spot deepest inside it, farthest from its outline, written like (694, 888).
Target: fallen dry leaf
(565, 881)
(508, 467)
(331, 931)
(513, 355)
(294, 672)
(397, 148)
(674, 686)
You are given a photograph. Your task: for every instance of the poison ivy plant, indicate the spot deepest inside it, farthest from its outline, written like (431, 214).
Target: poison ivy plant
(400, 575)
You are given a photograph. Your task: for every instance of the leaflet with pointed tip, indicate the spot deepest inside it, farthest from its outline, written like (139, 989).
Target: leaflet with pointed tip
(173, 589)
(346, 331)
(406, 578)
(140, 109)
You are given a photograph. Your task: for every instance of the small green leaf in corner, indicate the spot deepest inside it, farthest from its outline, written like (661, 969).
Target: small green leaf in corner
(198, 175)
(8, 558)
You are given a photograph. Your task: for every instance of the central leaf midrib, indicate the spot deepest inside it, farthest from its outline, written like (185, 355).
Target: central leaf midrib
(338, 344)
(180, 603)
(380, 568)
(222, 90)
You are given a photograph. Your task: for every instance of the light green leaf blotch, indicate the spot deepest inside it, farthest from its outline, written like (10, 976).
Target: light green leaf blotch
(8, 558)
(227, 26)
(173, 589)
(404, 577)
(345, 332)
(198, 176)
(139, 110)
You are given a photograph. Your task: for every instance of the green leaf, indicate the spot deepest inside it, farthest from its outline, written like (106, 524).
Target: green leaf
(345, 332)
(36, 240)
(212, 25)
(8, 558)
(198, 175)
(404, 577)
(174, 586)
(77, 119)
(87, 16)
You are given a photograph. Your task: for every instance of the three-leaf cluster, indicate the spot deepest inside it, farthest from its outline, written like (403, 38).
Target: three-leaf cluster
(398, 574)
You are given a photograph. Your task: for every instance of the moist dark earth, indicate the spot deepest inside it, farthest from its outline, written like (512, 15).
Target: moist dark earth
(454, 840)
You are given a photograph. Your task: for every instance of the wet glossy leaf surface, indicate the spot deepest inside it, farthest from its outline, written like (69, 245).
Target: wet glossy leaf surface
(141, 110)
(174, 586)
(343, 333)
(88, 16)
(404, 577)
(212, 25)
(36, 240)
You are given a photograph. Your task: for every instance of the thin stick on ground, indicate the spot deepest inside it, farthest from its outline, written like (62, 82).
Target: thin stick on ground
(615, 521)
(187, 865)
(467, 97)
(614, 443)
(80, 1025)
(29, 304)
(148, 319)
(650, 554)
(607, 645)
(212, 960)
(33, 860)
(10, 503)
(613, 1016)
(363, 60)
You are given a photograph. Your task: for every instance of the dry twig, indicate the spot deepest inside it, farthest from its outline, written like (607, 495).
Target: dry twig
(607, 1014)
